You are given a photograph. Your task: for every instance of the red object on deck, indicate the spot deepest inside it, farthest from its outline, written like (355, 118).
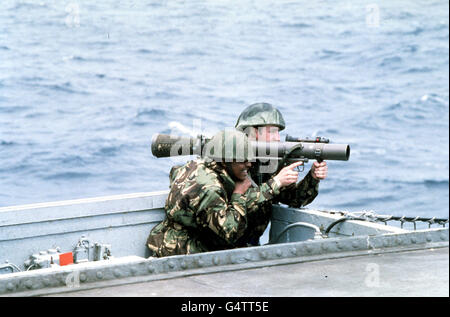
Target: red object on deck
(66, 258)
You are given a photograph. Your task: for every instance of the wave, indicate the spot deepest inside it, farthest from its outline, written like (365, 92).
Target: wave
(68, 175)
(145, 51)
(424, 110)
(108, 151)
(410, 48)
(362, 202)
(436, 183)
(368, 124)
(424, 182)
(390, 61)
(296, 25)
(346, 33)
(394, 107)
(150, 112)
(35, 115)
(193, 52)
(32, 78)
(329, 53)
(357, 184)
(65, 87)
(414, 70)
(28, 5)
(405, 16)
(17, 168)
(330, 132)
(72, 160)
(418, 30)
(162, 95)
(433, 100)
(253, 58)
(414, 110)
(100, 43)
(82, 59)
(7, 143)
(13, 109)
(145, 117)
(412, 31)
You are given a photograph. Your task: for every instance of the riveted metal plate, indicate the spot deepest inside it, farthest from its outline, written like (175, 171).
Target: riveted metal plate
(355, 238)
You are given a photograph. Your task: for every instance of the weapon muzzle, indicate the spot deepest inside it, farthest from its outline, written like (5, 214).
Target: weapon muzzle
(164, 145)
(325, 151)
(310, 150)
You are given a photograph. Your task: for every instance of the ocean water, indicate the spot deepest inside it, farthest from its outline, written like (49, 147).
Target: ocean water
(85, 84)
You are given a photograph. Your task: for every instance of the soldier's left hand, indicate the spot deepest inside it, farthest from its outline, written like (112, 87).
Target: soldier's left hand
(319, 170)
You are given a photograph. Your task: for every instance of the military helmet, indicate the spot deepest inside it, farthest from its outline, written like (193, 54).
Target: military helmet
(260, 114)
(229, 146)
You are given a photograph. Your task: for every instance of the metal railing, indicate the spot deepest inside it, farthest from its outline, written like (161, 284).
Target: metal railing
(373, 217)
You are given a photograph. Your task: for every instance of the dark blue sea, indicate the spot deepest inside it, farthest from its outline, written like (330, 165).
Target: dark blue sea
(85, 84)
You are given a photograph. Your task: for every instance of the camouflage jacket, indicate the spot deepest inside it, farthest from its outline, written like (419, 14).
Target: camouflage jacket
(203, 214)
(295, 195)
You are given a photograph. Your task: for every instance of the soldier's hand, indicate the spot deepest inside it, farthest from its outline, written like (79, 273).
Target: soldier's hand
(287, 175)
(241, 187)
(319, 170)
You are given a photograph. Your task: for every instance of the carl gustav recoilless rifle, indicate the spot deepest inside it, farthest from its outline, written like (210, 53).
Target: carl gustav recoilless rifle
(283, 153)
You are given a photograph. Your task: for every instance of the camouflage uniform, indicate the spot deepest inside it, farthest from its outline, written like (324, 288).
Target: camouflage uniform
(294, 195)
(203, 213)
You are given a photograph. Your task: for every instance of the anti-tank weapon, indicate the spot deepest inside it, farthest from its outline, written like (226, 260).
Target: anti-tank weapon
(283, 153)
(302, 150)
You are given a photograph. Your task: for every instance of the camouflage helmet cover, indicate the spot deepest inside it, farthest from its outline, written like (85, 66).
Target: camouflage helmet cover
(260, 114)
(229, 146)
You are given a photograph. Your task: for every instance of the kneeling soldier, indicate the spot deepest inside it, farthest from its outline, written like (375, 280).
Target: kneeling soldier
(210, 199)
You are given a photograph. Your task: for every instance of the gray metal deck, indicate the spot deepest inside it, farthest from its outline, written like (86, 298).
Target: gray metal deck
(407, 273)
(358, 258)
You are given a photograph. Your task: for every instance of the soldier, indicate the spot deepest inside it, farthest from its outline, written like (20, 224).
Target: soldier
(262, 122)
(209, 202)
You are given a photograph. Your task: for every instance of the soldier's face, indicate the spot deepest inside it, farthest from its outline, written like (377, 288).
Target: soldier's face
(268, 133)
(240, 169)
